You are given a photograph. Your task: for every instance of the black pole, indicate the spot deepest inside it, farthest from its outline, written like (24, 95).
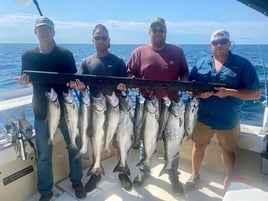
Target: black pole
(37, 6)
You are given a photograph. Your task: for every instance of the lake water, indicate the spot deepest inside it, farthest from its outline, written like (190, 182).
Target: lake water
(252, 112)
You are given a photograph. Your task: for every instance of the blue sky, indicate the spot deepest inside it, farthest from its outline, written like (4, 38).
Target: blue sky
(188, 21)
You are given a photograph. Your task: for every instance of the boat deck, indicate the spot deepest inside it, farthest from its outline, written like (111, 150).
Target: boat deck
(158, 188)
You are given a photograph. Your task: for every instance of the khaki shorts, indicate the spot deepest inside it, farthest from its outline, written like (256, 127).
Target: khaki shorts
(228, 139)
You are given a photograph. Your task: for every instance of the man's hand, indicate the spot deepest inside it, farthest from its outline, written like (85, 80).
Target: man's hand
(77, 84)
(23, 79)
(121, 87)
(201, 95)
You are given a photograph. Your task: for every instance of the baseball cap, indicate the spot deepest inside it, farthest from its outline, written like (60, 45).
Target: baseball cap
(219, 35)
(158, 20)
(44, 21)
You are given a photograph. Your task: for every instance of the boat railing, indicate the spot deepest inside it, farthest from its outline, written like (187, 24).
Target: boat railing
(19, 128)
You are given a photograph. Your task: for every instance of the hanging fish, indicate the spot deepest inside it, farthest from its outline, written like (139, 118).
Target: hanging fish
(71, 117)
(98, 108)
(53, 114)
(163, 116)
(138, 120)
(190, 116)
(150, 129)
(124, 133)
(84, 123)
(173, 133)
(112, 118)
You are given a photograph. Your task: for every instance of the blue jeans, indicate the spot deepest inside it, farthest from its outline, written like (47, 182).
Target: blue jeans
(146, 169)
(44, 154)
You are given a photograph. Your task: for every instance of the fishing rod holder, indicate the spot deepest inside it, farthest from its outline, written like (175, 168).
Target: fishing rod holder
(264, 130)
(22, 130)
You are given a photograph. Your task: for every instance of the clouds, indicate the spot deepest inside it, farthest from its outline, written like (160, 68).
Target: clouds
(19, 28)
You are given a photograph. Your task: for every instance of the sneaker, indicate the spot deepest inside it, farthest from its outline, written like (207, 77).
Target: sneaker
(176, 185)
(139, 179)
(191, 183)
(125, 182)
(92, 182)
(79, 189)
(46, 197)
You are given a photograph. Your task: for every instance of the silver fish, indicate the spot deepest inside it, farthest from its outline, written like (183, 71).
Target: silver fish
(150, 130)
(98, 108)
(173, 133)
(138, 119)
(84, 123)
(190, 116)
(71, 117)
(53, 114)
(112, 118)
(163, 116)
(124, 133)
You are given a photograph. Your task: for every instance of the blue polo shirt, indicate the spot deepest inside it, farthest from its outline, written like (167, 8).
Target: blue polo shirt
(237, 73)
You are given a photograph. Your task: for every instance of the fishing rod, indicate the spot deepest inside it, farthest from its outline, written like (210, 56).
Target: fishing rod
(38, 8)
(264, 129)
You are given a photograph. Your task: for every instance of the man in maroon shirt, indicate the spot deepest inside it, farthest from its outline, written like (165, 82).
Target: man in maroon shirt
(158, 61)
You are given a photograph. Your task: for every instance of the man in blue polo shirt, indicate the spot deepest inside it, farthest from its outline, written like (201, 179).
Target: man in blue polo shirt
(219, 112)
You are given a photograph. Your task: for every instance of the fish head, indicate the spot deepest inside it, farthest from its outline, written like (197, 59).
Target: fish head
(151, 105)
(52, 95)
(68, 97)
(166, 102)
(177, 107)
(99, 103)
(85, 97)
(112, 100)
(125, 102)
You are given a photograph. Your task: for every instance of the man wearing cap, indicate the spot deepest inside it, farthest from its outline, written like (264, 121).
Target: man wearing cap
(50, 57)
(219, 111)
(158, 61)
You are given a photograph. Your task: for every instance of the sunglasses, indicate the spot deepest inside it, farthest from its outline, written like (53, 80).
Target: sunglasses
(159, 30)
(221, 42)
(103, 38)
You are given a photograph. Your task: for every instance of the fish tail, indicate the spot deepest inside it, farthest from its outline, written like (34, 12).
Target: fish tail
(72, 146)
(89, 172)
(140, 163)
(100, 170)
(163, 171)
(119, 168)
(136, 144)
(50, 141)
(82, 155)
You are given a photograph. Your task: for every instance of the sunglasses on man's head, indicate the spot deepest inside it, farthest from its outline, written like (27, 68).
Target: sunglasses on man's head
(221, 42)
(159, 30)
(103, 38)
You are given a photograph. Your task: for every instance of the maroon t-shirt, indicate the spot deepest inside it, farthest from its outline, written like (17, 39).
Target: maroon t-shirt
(166, 64)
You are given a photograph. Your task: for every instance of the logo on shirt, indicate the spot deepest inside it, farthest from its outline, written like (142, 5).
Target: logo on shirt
(110, 66)
(171, 62)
